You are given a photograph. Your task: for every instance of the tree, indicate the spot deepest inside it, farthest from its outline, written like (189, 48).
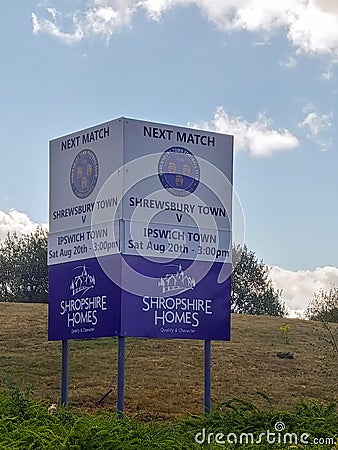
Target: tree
(23, 267)
(252, 291)
(324, 306)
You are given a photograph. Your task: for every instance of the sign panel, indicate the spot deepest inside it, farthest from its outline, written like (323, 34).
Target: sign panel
(145, 209)
(82, 243)
(80, 164)
(83, 301)
(177, 174)
(172, 241)
(183, 299)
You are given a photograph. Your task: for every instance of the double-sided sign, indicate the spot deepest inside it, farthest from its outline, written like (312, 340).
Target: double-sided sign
(140, 232)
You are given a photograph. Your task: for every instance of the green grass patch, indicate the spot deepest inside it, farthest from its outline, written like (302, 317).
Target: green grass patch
(28, 424)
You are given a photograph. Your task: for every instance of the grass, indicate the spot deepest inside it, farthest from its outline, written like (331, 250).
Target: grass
(164, 378)
(26, 424)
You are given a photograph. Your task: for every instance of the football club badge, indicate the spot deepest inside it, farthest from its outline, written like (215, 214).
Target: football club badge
(179, 171)
(84, 173)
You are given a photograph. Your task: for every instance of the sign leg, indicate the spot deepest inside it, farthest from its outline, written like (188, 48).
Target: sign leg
(64, 374)
(120, 376)
(207, 376)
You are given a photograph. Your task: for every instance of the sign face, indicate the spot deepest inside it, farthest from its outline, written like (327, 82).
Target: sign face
(80, 164)
(177, 176)
(187, 242)
(83, 243)
(84, 302)
(182, 300)
(145, 209)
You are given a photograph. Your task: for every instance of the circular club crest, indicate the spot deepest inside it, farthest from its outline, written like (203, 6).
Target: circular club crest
(179, 171)
(84, 173)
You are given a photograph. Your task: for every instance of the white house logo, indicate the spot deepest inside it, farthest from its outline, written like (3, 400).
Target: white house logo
(82, 282)
(178, 281)
(84, 173)
(179, 171)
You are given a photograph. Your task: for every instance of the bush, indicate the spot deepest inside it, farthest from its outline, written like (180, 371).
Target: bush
(23, 268)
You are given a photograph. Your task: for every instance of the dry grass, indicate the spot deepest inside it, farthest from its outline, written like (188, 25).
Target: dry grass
(165, 377)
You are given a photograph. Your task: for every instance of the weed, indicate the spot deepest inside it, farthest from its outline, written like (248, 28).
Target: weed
(285, 333)
(19, 401)
(332, 336)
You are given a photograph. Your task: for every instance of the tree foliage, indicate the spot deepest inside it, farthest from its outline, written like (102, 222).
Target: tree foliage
(324, 306)
(252, 289)
(23, 267)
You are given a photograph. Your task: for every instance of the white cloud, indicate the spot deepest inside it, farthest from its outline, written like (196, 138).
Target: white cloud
(48, 26)
(311, 26)
(327, 75)
(104, 19)
(288, 63)
(299, 286)
(258, 138)
(317, 125)
(16, 222)
(100, 17)
(313, 30)
(264, 39)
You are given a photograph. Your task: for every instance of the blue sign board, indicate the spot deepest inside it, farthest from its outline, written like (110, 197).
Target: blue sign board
(188, 302)
(83, 301)
(140, 232)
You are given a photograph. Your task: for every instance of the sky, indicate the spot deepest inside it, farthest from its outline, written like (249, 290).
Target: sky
(263, 70)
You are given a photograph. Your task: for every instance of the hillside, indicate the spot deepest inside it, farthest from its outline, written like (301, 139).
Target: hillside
(165, 377)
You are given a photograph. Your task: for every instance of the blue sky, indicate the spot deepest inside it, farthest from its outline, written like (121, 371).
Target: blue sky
(263, 70)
